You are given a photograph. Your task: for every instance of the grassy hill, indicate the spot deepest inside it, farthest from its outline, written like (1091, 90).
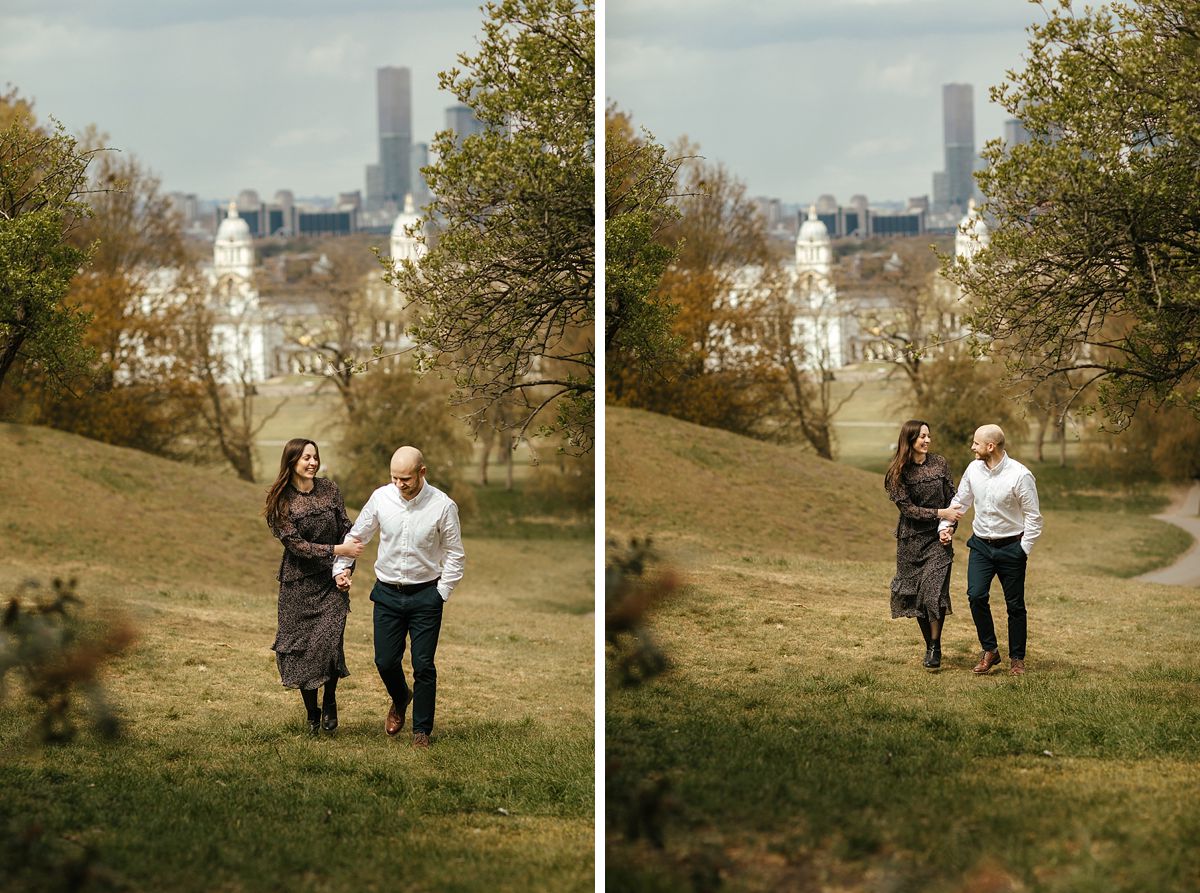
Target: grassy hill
(695, 487)
(214, 786)
(797, 743)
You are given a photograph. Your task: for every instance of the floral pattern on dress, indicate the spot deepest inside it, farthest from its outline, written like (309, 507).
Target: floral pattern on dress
(309, 643)
(921, 587)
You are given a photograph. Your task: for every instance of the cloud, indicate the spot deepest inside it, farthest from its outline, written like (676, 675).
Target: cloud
(337, 55)
(308, 136)
(875, 147)
(912, 75)
(725, 23)
(151, 14)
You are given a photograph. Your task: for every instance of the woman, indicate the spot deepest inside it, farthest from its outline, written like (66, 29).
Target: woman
(308, 516)
(919, 482)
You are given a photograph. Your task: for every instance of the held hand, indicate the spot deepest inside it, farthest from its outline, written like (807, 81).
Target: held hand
(953, 513)
(343, 581)
(350, 549)
(946, 535)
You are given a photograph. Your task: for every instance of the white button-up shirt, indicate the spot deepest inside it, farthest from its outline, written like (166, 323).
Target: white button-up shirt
(1005, 500)
(419, 539)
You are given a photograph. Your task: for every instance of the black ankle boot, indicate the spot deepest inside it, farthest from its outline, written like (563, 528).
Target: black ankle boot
(329, 716)
(933, 657)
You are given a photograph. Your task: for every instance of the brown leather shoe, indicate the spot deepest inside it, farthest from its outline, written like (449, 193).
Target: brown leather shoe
(987, 660)
(421, 740)
(395, 718)
(1016, 667)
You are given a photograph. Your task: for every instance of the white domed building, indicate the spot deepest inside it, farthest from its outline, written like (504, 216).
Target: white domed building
(242, 335)
(818, 323)
(405, 244)
(972, 236)
(816, 320)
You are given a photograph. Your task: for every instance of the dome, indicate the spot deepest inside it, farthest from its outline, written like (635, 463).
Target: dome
(813, 230)
(233, 228)
(405, 219)
(972, 236)
(405, 245)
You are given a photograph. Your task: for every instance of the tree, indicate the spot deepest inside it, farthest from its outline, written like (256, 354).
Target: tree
(505, 297)
(398, 407)
(135, 392)
(805, 376)
(917, 310)
(962, 392)
(352, 317)
(715, 286)
(223, 392)
(43, 179)
(640, 179)
(1094, 261)
(1155, 445)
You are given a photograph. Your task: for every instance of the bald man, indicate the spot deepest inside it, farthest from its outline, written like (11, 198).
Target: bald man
(1007, 522)
(420, 561)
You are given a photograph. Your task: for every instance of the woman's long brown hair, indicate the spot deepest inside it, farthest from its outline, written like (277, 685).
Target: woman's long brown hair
(904, 450)
(277, 495)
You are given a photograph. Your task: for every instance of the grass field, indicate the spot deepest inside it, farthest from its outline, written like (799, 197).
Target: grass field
(214, 786)
(797, 743)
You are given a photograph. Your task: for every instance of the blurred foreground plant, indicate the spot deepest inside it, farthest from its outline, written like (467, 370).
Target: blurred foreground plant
(628, 596)
(59, 654)
(638, 802)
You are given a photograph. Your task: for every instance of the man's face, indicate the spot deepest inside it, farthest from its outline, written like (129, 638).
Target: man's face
(982, 447)
(408, 480)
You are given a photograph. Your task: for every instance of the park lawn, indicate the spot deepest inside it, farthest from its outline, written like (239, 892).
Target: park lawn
(796, 743)
(214, 785)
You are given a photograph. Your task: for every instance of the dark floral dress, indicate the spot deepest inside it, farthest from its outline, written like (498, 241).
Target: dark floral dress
(312, 610)
(921, 587)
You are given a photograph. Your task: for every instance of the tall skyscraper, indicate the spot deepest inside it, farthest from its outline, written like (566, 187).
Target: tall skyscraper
(394, 178)
(1015, 133)
(420, 159)
(461, 119)
(958, 130)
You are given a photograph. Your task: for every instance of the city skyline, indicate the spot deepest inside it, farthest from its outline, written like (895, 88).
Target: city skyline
(215, 99)
(800, 98)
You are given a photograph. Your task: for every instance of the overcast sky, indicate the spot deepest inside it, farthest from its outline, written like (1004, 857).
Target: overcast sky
(804, 97)
(224, 95)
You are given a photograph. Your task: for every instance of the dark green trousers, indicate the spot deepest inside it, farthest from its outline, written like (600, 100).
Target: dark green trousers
(413, 614)
(1007, 562)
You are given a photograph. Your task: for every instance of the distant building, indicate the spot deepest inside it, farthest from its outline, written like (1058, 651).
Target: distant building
(327, 223)
(972, 236)
(1015, 133)
(859, 220)
(393, 178)
(241, 334)
(954, 186)
(816, 320)
(404, 244)
(461, 120)
(420, 159)
(284, 218)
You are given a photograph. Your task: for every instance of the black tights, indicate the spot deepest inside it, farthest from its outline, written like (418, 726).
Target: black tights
(310, 698)
(931, 630)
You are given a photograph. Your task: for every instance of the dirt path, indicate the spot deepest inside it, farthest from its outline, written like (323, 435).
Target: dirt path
(1185, 571)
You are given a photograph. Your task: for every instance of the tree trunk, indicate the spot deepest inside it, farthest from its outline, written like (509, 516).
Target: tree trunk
(9, 354)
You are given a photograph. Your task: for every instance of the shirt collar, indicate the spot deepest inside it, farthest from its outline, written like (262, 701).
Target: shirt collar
(416, 501)
(1000, 466)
